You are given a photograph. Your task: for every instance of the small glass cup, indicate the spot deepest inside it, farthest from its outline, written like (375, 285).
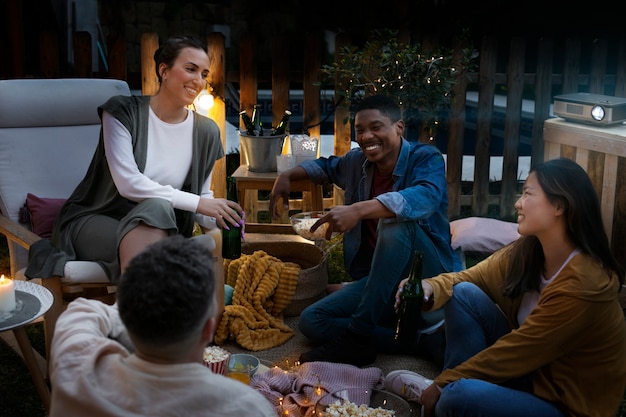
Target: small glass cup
(239, 373)
(285, 162)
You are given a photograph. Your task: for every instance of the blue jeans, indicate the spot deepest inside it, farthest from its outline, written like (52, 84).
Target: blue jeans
(365, 306)
(473, 323)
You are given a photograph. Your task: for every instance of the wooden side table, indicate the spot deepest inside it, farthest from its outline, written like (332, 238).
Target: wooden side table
(601, 151)
(254, 181)
(33, 301)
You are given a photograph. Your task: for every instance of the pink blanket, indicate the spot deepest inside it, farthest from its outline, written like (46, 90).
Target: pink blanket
(295, 392)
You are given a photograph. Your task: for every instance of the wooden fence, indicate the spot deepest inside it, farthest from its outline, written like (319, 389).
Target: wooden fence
(598, 66)
(543, 82)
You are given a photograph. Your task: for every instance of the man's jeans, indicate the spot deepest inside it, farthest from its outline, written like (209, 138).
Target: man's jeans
(474, 322)
(366, 306)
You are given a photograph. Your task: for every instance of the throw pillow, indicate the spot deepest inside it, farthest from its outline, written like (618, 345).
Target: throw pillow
(481, 234)
(43, 212)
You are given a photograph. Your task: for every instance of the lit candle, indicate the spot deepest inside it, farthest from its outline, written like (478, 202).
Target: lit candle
(7, 294)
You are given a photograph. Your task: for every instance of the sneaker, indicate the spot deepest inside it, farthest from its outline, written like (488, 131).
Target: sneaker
(407, 384)
(348, 348)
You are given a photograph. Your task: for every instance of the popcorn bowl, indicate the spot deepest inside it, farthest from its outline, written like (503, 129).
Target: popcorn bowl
(216, 359)
(302, 223)
(362, 402)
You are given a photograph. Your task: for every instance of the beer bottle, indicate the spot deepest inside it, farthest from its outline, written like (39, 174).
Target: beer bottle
(247, 122)
(256, 118)
(231, 239)
(281, 127)
(410, 310)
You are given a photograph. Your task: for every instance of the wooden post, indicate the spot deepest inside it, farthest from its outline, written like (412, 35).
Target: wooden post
(83, 64)
(149, 80)
(486, 94)
(515, 89)
(217, 82)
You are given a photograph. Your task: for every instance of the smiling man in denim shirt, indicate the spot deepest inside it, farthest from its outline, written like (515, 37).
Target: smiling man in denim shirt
(396, 201)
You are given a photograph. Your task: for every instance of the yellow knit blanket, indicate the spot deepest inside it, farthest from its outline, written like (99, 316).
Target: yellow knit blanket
(264, 286)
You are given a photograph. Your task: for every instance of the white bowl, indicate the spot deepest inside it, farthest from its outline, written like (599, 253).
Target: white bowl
(302, 223)
(241, 362)
(377, 399)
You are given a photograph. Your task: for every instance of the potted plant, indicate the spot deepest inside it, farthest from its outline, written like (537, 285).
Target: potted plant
(421, 80)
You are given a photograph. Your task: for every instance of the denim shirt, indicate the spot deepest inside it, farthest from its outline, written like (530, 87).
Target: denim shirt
(420, 193)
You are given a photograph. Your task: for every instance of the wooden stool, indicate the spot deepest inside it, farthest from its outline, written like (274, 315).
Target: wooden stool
(254, 181)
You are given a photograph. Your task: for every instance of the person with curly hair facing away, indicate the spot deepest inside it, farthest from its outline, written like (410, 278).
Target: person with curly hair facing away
(143, 355)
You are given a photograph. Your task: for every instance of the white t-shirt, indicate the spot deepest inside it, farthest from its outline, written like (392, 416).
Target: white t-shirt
(530, 299)
(168, 163)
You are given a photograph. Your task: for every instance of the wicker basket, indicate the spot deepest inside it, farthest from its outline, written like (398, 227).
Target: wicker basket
(313, 276)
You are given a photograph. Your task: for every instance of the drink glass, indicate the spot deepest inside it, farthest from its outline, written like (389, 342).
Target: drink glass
(240, 373)
(285, 162)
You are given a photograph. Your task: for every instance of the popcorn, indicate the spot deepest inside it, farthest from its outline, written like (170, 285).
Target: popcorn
(303, 226)
(349, 409)
(216, 359)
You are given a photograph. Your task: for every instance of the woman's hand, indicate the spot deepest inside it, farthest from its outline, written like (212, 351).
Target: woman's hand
(428, 292)
(226, 213)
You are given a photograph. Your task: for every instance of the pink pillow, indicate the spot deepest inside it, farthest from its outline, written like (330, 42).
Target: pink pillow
(482, 234)
(43, 212)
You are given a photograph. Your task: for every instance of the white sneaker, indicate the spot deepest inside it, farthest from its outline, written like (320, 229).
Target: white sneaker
(409, 385)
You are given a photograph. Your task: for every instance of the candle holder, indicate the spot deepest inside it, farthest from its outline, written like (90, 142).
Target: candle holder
(7, 295)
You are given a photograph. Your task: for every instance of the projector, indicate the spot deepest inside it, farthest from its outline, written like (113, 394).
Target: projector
(590, 108)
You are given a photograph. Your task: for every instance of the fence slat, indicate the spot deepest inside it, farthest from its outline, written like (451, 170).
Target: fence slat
(620, 71)
(15, 29)
(571, 66)
(598, 66)
(83, 63)
(543, 97)
(49, 54)
(312, 68)
(342, 126)
(486, 92)
(149, 80)
(217, 81)
(248, 81)
(456, 132)
(280, 78)
(117, 56)
(515, 89)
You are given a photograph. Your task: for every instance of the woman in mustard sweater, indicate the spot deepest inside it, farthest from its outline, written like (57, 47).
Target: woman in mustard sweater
(536, 329)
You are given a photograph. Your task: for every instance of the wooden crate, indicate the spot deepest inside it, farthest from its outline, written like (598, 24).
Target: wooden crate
(601, 151)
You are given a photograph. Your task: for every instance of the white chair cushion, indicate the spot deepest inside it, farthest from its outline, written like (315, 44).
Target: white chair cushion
(49, 129)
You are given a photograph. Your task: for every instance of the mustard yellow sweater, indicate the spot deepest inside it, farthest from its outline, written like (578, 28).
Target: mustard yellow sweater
(574, 341)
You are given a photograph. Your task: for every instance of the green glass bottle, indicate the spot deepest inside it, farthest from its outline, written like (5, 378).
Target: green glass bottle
(247, 122)
(410, 310)
(231, 239)
(281, 127)
(256, 118)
